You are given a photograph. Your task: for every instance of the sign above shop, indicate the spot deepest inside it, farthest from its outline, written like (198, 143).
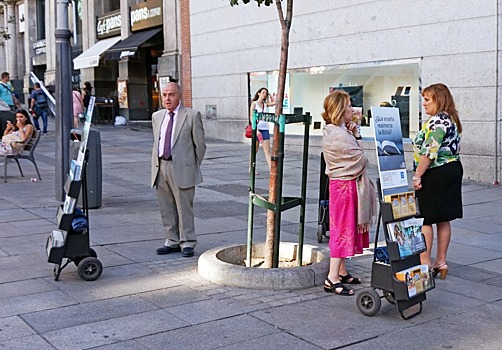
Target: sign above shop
(146, 15)
(39, 47)
(108, 25)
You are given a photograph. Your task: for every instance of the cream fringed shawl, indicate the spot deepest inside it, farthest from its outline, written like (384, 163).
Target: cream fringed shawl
(345, 160)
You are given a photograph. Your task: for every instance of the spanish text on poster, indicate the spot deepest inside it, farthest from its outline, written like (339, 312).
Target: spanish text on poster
(390, 151)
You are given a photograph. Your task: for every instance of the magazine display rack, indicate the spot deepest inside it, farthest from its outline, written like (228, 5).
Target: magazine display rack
(396, 268)
(71, 240)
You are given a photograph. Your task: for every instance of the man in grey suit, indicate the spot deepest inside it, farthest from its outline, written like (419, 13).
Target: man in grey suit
(178, 149)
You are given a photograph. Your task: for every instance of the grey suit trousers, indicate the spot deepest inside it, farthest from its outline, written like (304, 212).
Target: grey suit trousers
(176, 208)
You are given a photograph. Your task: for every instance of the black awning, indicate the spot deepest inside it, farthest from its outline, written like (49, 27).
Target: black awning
(130, 45)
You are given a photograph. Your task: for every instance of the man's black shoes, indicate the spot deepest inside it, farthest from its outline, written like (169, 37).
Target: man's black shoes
(169, 250)
(187, 252)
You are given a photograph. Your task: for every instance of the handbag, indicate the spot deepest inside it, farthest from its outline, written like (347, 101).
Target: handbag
(248, 131)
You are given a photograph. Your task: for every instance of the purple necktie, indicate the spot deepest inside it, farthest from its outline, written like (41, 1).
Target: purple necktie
(167, 137)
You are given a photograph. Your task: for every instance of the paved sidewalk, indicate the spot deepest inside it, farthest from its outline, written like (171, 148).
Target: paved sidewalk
(147, 301)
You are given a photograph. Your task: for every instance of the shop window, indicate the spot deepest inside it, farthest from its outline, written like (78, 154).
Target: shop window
(76, 23)
(394, 83)
(114, 5)
(40, 19)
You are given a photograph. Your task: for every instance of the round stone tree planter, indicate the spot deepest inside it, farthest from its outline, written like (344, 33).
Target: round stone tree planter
(222, 266)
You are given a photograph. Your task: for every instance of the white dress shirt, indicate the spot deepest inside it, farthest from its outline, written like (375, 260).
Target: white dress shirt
(163, 129)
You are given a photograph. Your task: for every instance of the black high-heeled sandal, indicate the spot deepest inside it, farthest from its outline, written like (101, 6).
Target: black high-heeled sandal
(348, 278)
(335, 288)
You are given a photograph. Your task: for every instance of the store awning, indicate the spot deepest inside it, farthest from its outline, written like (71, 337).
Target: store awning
(90, 57)
(131, 44)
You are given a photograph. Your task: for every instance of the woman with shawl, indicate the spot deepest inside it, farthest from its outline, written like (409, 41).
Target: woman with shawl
(352, 199)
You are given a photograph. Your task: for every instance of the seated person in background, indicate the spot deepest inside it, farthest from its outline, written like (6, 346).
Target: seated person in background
(18, 133)
(6, 115)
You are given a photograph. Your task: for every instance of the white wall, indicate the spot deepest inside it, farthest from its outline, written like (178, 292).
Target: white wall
(455, 40)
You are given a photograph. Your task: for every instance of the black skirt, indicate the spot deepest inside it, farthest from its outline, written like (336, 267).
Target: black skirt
(440, 198)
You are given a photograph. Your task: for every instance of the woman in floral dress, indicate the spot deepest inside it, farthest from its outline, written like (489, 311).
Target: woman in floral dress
(438, 172)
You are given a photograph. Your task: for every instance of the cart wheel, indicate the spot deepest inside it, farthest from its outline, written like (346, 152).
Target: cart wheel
(90, 269)
(368, 302)
(320, 231)
(389, 296)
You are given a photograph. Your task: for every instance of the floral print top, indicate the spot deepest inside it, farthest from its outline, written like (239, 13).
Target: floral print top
(438, 140)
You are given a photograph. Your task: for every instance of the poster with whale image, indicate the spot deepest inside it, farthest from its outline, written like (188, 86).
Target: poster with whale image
(390, 150)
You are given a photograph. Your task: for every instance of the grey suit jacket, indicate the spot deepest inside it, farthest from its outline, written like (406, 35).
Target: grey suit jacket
(187, 149)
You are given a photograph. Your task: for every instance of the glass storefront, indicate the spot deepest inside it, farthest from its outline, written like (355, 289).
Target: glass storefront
(370, 84)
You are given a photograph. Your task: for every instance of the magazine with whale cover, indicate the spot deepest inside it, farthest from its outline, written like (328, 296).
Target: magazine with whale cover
(389, 150)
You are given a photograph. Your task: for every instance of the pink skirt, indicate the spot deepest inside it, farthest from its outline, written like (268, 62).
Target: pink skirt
(344, 240)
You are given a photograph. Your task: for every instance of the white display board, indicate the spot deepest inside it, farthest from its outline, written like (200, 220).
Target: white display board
(389, 150)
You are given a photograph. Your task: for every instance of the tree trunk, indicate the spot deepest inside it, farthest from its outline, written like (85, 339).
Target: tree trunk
(283, 66)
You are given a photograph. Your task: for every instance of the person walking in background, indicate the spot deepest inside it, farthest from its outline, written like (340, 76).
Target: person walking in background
(39, 107)
(260, 103)
(438, 172)
(86, 96)
(18, 132)
(178, 150)
(352, 198)
(78, 105)
(7, 93)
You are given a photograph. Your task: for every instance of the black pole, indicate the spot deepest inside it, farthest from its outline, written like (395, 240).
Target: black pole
(64, 107)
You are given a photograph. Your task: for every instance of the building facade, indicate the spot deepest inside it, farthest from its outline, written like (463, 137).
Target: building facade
(378, 51)
(126, 49)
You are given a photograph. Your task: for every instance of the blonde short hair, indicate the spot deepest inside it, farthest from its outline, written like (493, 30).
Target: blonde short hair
(334, 107)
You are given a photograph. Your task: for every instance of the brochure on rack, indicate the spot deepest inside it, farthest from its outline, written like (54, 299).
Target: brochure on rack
(408, 236)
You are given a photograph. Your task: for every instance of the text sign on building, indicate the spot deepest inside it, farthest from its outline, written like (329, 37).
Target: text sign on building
(146, 15)
(390, 150)
(39, 47)
(108, 25)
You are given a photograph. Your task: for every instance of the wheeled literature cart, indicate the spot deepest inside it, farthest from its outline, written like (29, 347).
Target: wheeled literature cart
(71, 240)
(396, 268)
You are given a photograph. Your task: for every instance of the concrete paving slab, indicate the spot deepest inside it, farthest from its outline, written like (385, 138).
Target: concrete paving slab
(80, 314)
(13, 327)
(26, 287)
(491, 265)
(488, 225)
(118, 234)
(466, 255)
(26, 244)
(280, 340)
(18, 271)
(141, 251)
(118, 283)
(169, 297)
(334, 327)
(26, 343)
(205, 311)
(204, 336)
(115, 330)
(123, 345)
(34, 302)
(8, 230)
(483, 333)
